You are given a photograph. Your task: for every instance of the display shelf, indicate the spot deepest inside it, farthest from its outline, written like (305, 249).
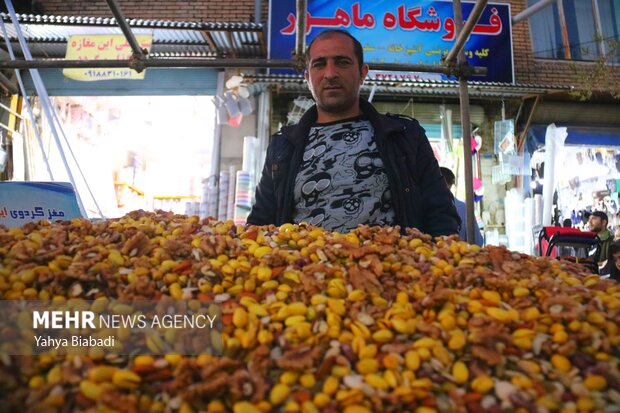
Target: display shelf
(174, 197)
(121, 184)
(127, 195)
(175, 203)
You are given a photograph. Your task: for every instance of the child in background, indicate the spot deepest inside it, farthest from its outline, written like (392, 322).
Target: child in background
(613, 263)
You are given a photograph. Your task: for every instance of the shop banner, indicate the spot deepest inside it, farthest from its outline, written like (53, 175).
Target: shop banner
(410, 31)
(103, 47)
(22, 202)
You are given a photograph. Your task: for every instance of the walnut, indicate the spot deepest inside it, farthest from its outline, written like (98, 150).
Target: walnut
(300, 358)
(363, 279)
(137, 245)
(490, 356)
(127, 403)
(215, 386)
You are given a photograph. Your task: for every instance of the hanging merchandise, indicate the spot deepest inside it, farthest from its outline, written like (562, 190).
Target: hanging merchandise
(236, 100)
(476, 144)
(478, 190)
(505, 141)
(513, 164)
(504, 138)
(234, 82)
(498, 176)
(245, 106)
(232, 104)
(236, 86)
(235, 121)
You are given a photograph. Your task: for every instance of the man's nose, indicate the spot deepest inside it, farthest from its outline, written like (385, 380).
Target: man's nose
(330, 69)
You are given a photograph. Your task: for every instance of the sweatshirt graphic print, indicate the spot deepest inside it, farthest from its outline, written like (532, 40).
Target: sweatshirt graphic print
(342, 181)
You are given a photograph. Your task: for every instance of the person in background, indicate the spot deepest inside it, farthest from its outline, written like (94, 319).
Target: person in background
(461, 208)
(613, 263)
(566, 250)
(617, 230)
(597, 222)
(344, 164)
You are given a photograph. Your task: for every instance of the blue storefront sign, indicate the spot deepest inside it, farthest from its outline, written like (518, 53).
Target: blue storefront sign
(22, 202)
(414, 31)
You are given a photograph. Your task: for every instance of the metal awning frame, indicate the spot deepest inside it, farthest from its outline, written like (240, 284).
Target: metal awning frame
(140, 59)
(296, 84)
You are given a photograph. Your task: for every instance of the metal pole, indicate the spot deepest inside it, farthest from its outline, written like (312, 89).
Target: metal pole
(45, 100)
(262, 120)
(564, 28)
(258, 10)
(6, 82)
(525, 14)
(213, 63)
(22, 88)
(300, 33)
(464, 33)
(213, 180)
(11, 111)
(120, 19)
(599, 28)
(466, 127)
(6, 128)
(521, 141)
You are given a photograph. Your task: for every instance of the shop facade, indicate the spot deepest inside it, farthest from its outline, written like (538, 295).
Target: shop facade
(546, 84)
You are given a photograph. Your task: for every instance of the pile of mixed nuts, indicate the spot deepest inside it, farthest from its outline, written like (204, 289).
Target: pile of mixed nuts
(313, 321)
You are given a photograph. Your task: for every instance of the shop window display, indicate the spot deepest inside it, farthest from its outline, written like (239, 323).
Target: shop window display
(134, 152)
(591, 185)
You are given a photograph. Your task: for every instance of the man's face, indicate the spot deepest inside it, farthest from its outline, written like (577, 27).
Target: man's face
(334, 77)
(596, 224)
(616, 257)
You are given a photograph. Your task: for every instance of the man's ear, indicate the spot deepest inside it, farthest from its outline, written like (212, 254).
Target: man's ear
(306, 75)
(363, 73)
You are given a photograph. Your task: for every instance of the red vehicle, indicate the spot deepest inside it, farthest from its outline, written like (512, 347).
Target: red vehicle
(571, 244)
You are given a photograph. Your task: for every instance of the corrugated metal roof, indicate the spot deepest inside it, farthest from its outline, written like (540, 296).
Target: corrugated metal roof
(447, 88)
(47, 36)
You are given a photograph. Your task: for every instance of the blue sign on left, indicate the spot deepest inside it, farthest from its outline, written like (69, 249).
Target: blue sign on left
(22, 202)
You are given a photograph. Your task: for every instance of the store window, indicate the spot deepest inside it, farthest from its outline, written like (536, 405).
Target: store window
(127, 152)
(592, 29)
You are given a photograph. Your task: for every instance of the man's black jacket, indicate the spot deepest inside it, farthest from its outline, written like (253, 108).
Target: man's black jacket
(420, 196)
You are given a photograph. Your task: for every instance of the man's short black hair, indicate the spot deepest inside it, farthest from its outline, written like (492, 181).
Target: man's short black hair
(601, 215)
(448, 176)
(358, 50)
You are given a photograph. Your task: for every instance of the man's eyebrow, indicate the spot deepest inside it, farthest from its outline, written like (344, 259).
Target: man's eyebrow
(332, 57)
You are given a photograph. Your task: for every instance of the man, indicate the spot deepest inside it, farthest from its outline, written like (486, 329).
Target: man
(461, 208)
(597, 222)
(344, 164)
